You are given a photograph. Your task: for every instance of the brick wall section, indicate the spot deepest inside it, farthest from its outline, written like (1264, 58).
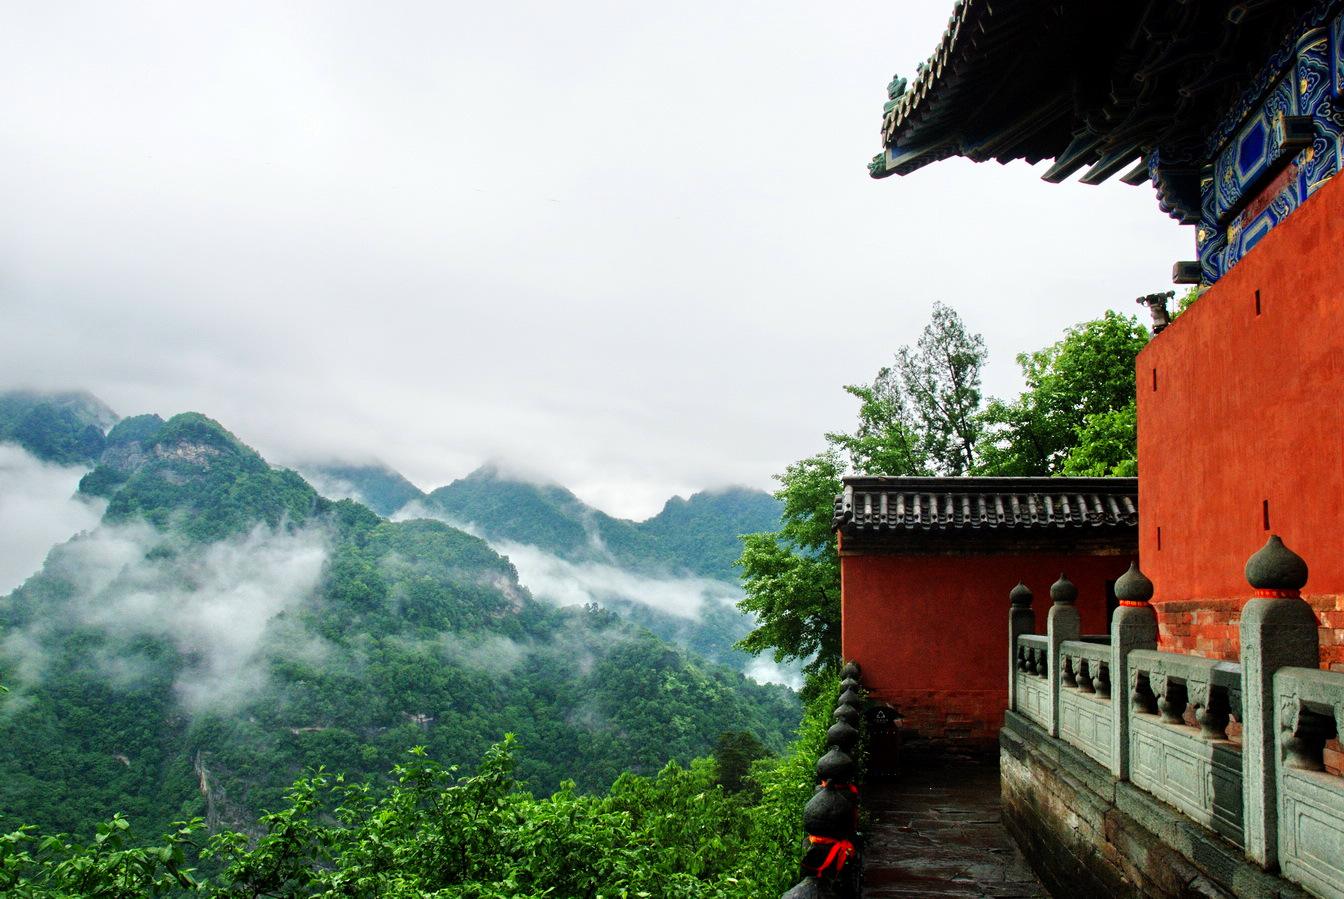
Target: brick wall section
(1211, 627)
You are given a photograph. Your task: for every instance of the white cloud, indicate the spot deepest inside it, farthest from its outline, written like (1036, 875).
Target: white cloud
(765, 670)
(38, 509)
(568, 583)
(216, 604)
(631, 245)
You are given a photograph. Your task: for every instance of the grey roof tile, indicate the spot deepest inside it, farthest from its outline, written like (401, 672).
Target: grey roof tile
(877, 504)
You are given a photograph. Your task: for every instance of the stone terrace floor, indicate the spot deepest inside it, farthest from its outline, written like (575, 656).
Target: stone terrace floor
(936, 831)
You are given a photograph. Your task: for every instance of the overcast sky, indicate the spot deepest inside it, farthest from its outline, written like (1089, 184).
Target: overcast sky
(631, 247)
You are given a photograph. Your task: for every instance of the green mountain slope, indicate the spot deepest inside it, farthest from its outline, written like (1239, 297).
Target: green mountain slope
(225, 627)
(382, 489)
(65, 428)
(696, 536)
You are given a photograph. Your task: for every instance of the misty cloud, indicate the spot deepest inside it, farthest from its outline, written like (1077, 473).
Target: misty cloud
(38, 509)
(216, 604)
(765, 670)
(569, 583)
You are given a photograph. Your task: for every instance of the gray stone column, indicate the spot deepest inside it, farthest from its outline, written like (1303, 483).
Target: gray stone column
(1060, 625)
(1021, 620)
(1133, 626)
(1278, 630)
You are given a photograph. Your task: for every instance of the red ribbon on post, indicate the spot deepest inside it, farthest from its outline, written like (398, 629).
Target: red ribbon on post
(840, 852)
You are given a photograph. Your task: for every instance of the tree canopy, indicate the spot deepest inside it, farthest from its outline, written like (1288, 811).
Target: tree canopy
(925, 415)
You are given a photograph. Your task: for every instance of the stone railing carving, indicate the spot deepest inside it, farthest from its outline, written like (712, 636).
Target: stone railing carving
(1309, 710)
(1084, 703)
(1031, 690)
(1191, 766)
(1169, 713)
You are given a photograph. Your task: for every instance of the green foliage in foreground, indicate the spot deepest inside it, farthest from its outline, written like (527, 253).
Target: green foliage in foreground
(433, 833)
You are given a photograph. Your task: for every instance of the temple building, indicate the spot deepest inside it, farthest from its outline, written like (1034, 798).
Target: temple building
(917, 554)
(1213, 767)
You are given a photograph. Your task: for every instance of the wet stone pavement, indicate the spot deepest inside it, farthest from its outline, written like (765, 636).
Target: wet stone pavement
(935, 831)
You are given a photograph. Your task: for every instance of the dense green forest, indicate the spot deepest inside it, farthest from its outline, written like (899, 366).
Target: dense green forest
(226, 628)
(726, 827)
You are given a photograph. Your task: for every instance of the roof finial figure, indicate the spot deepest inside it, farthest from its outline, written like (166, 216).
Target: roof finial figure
(1157, 306)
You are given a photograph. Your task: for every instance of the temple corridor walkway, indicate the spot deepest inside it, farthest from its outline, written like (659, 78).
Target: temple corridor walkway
(936, 832)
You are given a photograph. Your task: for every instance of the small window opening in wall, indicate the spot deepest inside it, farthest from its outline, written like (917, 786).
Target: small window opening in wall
(1257, 301)
(1159, 538)
(1154, 380)
(1264, 511)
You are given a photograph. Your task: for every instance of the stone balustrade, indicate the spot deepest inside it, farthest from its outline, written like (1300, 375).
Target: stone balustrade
(1160, 720)
(1084, 703)
(1179, 750)
(832, 864)
(1308, 711)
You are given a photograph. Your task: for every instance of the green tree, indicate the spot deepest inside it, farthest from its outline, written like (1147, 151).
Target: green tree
(917, 417)
(1074, 407)
(791, 577)
(941, 377)
(734, 753)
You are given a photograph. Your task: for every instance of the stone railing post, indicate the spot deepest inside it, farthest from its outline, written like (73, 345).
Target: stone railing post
(1021, 620)
(831, 865)
(1060, 625)
(1133, 626)
(1278, 630)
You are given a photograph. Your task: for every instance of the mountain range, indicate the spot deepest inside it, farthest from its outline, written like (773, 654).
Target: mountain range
(225, 626)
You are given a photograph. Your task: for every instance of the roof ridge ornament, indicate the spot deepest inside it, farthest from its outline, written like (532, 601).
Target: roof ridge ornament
(1157, 308)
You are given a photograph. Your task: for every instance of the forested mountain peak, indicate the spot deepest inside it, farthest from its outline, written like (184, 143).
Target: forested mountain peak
(375, 484)
(192, 471)
(696, 535)
(62, 427)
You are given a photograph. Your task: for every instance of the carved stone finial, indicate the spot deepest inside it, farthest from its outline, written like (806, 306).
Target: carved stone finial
(842, 736)
(829, 813)
(1157, 307)
(1133, 588)
(850, 683)
(835, 767)
(851, 697)
(851, 669)
(1063, 591)
(1020, 596)
(846, 713)
(1275, 570)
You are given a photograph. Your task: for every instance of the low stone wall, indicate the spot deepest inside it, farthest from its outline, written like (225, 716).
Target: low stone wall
(1086, 834)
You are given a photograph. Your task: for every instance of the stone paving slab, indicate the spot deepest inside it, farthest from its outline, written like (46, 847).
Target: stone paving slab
(936, 832)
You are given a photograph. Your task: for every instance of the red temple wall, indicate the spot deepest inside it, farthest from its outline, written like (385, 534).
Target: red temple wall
(1241, 416)
(931, 632)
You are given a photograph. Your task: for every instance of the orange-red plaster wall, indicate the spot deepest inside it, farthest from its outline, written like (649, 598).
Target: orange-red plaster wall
(931, 632)
(1241, 415)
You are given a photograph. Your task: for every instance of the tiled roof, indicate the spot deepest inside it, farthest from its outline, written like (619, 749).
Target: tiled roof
(871, 505)
(1095, 86)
